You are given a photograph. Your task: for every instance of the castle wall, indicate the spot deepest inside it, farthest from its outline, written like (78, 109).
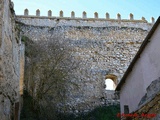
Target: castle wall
(77, 22)
(103, 47)
(111, 43)
(9, 63)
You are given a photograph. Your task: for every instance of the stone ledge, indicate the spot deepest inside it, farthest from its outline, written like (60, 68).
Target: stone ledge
(78, 18)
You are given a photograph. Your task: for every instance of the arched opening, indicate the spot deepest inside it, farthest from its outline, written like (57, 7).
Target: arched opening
(110, 82)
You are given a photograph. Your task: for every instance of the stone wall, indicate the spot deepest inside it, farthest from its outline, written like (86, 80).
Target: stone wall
(79, 22)
(103, 47)
(111, 43)
(9, 62)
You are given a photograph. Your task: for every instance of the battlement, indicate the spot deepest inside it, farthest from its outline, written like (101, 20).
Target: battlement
(84, 17)
(73, 21)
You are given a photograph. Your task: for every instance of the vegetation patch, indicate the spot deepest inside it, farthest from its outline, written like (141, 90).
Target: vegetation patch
(99, 113)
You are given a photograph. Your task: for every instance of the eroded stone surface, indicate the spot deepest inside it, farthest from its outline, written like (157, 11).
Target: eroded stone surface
(9, 61)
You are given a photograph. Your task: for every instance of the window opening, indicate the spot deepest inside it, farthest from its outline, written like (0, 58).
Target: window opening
(109, 84)
(126, 109)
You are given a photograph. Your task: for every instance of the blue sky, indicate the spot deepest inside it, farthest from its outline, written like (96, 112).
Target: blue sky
(146, 8)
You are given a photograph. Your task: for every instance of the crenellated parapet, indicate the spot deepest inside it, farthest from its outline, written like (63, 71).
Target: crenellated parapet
(61, 13)
(152, 19)
(107, 15)
(95, 15)
(38, 12)
(84, 16)
(131, 16)
(49, 13)
(118, 16)
(26, 12)
(72, 14)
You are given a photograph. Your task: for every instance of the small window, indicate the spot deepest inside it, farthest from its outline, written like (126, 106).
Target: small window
(126, 109)
(109, 84)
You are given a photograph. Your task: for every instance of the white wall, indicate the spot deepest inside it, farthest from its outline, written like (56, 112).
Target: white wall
(145, 70)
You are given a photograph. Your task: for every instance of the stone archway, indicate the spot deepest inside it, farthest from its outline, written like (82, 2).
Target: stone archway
(111, 82)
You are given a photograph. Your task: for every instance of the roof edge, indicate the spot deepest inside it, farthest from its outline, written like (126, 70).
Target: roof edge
(144, 43)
